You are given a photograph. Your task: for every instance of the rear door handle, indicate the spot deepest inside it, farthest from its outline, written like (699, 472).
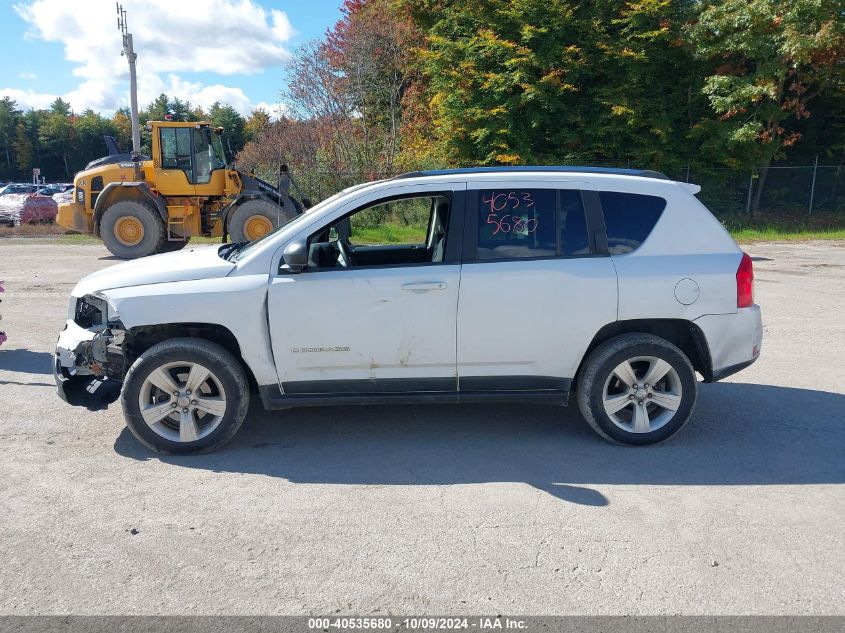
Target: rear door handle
(424, 286)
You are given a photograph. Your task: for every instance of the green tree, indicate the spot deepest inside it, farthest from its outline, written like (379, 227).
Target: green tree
(9, 118)
(255, 124)
(198, 114)
(89, 130)
(57, 134)
(770, 59)
(506, 78)
(227, 117)
(181, 110)
(24, 151)
(122, 122)
(644, 84)
(157, 109)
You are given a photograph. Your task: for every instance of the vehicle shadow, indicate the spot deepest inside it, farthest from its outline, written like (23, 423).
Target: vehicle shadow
(26, 361)
(741, 434)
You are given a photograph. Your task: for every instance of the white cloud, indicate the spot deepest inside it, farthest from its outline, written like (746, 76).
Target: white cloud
(282, 28)
(275, 110)
(225, 37)
(195, 92)
(27, 76)
(27, 99)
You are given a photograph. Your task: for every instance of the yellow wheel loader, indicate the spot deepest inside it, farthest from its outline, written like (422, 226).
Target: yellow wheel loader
(142, 205)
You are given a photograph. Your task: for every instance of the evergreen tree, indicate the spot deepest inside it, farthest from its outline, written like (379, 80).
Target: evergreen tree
(9, 118)
(227, 117)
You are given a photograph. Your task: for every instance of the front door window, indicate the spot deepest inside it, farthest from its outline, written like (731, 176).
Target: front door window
(176, 150)
(393, 232)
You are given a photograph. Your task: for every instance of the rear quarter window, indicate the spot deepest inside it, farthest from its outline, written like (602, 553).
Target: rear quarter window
(629, 218)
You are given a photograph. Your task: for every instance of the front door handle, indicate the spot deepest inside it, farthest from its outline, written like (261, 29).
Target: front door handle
(424, 286)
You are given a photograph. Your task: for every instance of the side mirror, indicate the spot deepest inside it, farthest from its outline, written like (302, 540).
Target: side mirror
(295, 257)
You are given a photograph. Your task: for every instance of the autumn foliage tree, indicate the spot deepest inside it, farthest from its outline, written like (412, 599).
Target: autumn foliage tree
(348, 94)
(657, 83)
(772, 59)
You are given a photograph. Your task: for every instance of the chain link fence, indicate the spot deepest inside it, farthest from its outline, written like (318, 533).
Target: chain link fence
(797, 188)
(792, 189)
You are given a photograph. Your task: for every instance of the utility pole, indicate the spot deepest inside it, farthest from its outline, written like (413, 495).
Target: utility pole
(129, 51)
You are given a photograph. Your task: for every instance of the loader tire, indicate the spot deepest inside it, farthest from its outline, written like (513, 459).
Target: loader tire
(131, 229)
(255, 218)
(171, 246)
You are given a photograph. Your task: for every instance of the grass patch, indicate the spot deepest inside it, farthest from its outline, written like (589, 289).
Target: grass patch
(793, 227)
(389, 233)
(777, 234)
(78, 238)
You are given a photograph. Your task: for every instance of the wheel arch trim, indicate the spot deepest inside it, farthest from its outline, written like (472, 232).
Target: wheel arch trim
(140, 191)
(682, 333)
(140, 338)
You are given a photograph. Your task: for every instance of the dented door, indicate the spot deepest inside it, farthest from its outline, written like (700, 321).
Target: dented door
(367, 330)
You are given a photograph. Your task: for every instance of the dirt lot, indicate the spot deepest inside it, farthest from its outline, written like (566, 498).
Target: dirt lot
(445, 509)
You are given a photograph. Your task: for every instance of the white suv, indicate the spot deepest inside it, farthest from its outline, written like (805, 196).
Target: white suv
(502, 284)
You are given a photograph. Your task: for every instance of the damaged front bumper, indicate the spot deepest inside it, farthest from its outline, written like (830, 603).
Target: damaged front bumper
(82, 368)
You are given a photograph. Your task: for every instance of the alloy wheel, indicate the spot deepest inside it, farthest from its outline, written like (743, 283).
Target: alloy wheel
(182, 401)
(642, 394)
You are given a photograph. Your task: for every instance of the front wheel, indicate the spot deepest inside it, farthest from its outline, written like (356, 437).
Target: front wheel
(637, 389)
(185, 395)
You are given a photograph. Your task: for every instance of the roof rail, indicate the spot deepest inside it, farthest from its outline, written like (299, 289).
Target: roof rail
(642, 173)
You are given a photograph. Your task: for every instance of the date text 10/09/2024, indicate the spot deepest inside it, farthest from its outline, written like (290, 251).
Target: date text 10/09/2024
(481, 623)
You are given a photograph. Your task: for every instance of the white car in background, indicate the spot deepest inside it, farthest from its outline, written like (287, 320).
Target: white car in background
(491, 284)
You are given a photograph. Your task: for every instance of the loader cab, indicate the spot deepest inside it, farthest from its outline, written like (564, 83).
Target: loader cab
(186, 157)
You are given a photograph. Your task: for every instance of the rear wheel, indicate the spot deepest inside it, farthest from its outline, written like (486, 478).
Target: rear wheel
(132, 229)
(255, 218)
(637, 389)
(185, 395)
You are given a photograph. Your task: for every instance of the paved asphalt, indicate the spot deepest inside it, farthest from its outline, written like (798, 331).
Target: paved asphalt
(441, 509)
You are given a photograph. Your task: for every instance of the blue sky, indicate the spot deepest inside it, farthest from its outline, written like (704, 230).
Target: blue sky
(201, 50)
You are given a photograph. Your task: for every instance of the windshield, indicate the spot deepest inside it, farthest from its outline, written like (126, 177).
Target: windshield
(219, 156)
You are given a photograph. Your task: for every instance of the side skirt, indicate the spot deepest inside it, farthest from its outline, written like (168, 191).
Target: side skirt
(274, 399)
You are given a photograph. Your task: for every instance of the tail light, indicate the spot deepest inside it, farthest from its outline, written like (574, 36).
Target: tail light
(745, 283)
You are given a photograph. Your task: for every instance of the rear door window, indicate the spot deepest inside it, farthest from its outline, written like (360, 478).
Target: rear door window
(530, 223)
(629, 218)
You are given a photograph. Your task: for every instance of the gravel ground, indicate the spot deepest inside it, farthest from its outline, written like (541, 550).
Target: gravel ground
(441, 509)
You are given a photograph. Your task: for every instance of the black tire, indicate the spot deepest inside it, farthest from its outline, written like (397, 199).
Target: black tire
(154, 231)
(225, 368)
(171, 246)
(597, 371)
(274, 214)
